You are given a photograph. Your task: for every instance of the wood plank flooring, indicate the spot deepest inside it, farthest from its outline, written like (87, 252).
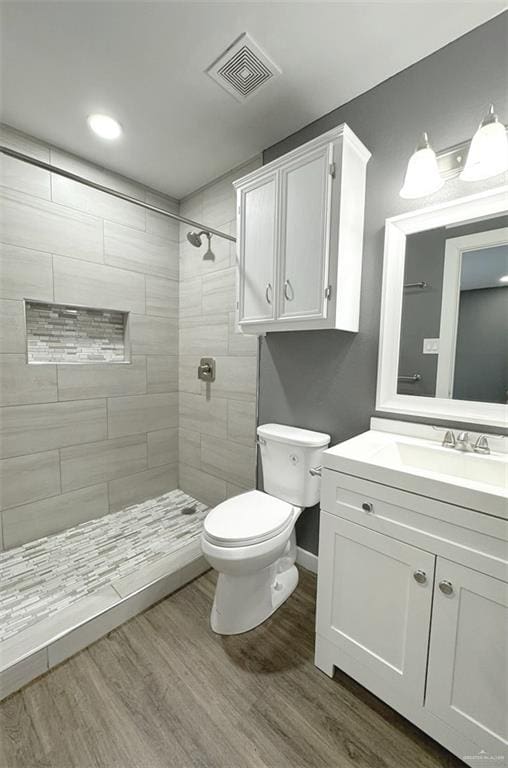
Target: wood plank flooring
(163, 691)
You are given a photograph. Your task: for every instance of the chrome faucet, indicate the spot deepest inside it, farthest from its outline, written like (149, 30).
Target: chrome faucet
(481, 445)
(449, 440)
(462, 443)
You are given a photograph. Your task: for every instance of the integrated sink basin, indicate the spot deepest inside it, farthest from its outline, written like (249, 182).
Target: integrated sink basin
(422, 465)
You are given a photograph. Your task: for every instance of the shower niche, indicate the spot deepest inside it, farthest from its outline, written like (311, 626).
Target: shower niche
(69, 334)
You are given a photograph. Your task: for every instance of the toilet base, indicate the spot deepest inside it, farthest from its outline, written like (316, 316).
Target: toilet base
(242, 603)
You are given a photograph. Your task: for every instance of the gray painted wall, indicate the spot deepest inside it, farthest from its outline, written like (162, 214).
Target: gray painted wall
(326, 380)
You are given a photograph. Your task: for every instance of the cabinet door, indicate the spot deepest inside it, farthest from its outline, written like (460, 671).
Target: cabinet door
(305, 235)
(374, 603)
(258, 242)
(468, 664)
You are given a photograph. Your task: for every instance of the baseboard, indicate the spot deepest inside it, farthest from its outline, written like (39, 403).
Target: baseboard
(307, 559)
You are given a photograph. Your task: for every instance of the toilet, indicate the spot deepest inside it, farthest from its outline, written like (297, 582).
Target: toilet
(250, 539)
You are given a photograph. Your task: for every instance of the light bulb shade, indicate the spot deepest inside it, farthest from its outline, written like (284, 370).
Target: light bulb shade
(422, 174)
(488, 153)
(104, 126)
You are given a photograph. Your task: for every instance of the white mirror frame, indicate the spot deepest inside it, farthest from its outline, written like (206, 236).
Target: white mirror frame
(460, 210)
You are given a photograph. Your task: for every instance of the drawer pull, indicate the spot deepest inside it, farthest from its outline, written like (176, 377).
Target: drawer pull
(367, 506)
(446, 587)
(420, 577)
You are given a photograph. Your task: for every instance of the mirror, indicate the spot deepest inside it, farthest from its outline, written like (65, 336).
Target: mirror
(444, 317)
(454, 323)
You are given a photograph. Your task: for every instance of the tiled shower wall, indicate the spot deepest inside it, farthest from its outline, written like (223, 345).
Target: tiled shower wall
(78, 441)
(217, 421)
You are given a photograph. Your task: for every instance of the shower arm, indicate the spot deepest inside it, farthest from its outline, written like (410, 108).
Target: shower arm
(108, 191)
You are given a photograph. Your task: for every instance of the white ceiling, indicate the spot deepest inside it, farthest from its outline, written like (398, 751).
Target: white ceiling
(143, 63)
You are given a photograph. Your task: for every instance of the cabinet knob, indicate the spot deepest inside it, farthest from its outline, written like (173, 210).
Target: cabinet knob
(420, 577)
(446, 587)
(367, 506)
(268, 293)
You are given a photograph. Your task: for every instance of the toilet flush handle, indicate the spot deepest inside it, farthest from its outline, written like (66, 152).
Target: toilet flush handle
(316, 471)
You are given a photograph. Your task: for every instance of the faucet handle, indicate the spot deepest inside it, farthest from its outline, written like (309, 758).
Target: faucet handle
(449, 439)
(481, 445)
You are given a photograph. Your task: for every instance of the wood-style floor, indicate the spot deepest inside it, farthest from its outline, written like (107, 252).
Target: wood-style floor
(163, 691)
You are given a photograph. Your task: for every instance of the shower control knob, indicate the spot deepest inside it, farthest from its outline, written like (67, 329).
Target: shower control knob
(420, 577)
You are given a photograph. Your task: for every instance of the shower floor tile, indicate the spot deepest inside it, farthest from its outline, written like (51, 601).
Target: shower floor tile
(43, 577)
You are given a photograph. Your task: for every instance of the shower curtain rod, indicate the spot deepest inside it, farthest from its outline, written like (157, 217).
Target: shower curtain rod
(113, 192)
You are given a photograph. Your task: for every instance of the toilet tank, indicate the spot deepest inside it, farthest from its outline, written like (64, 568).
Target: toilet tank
(287, 456)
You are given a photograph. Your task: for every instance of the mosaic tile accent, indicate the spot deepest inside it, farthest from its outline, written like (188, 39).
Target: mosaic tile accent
(65, 334)
(42, 577)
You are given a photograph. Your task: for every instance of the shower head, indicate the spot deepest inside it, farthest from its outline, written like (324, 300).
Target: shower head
(194, 238)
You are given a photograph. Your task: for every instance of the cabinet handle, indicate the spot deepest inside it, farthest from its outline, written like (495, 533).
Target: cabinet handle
(367, 506)
(420, 577)
(268, 293)
(446, 587)
(287, 288)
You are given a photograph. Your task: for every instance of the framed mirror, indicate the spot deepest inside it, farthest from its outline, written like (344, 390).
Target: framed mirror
(444, 313)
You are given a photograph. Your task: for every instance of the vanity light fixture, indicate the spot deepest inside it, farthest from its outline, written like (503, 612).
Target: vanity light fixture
(488, 153)
(104, 126)
(422, 174)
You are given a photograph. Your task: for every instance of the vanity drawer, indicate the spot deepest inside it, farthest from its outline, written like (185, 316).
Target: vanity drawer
(477, 540)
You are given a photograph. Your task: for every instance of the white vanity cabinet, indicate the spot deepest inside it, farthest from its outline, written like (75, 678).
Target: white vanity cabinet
(413, 603)
(300, 237)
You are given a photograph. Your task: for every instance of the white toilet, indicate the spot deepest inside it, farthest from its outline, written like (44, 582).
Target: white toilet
(250, 539)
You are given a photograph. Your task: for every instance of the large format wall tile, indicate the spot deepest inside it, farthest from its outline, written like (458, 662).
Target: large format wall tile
(162, 447)
(242, 422)
(31, 222)
(29, 478)
(23, 143)
(140, 251)
(92, 463)
(142, 413)
(12, 326)
(77, 382)
(161, 297)
(42, 518)
(144, 485)
(96, 173)
(150, 335)
(159, 224)
(200, 414)
(89, 200)
(24, 178)
(189, 447)
(96, 285)
(204, 335)
(240, 343)
(25, 274)
(219, 291)
(231, 461)
(188, 374)
(190, 299)
(204, 487)
(21, 383)
(235, 378)
(161, 373)
(32, 428)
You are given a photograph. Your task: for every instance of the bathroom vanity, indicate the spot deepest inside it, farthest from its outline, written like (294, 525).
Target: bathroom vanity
(412, 585)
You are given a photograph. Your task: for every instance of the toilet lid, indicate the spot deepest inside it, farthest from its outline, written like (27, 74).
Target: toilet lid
(249, 518)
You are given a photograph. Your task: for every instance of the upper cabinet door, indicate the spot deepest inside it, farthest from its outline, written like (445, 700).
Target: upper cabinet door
(258, 241)
(467, 684)
(305, 235)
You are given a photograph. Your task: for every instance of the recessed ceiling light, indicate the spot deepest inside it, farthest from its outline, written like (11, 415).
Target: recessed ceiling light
(104, 126)
(503, 279)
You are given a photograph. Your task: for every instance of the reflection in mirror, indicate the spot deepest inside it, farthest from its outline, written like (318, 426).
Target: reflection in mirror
(454, 324)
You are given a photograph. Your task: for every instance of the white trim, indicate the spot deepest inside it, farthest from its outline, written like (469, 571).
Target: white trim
(457, 211)
(455, 247)
(307, 560)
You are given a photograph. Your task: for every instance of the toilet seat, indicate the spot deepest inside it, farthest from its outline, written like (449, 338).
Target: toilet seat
(249, 518)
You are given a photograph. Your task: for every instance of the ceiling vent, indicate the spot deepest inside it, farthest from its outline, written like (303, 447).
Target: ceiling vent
(243, 69)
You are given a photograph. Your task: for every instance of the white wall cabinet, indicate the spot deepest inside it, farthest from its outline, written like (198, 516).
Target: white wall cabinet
(300, 237)
(411, 605)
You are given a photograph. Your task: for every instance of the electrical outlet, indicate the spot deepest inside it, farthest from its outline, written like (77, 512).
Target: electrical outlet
(431, 346)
